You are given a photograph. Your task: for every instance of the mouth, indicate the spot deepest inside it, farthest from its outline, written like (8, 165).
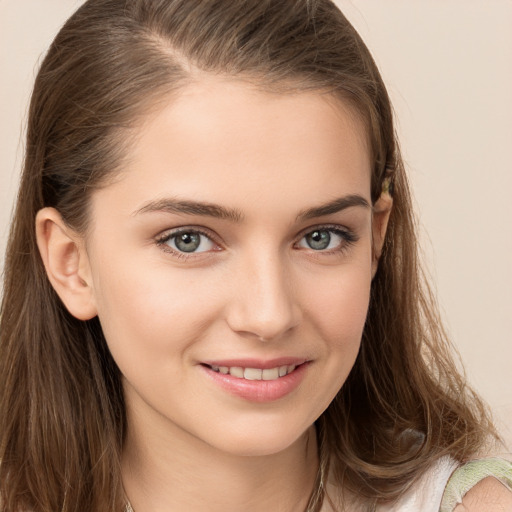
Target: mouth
(258, 380)
(248, 373)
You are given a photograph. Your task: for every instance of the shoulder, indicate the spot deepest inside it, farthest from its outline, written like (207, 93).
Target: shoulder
(480, 485)
(489, 493)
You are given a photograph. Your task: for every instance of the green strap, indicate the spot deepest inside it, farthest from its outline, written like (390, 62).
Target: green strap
(468, 475)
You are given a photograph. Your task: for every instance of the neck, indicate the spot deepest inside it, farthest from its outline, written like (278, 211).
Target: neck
(166, 469)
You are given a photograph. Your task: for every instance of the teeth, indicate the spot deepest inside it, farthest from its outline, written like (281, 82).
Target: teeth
(255, 373)
(252, 374)
(270, 374)
(236, 371)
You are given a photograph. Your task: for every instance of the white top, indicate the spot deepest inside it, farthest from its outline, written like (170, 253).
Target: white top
(427, 494)
(424, 496)
(443, 487)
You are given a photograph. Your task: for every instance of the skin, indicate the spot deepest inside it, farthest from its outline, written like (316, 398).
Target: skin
(254, 289)
(490, 495)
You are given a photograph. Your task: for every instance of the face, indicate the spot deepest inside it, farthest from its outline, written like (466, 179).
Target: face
(231, 263)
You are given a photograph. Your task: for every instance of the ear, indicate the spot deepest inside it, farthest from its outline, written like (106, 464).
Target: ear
(381, 212)
(66, 263)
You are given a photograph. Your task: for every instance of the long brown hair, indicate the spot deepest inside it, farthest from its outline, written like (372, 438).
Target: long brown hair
(62, 415)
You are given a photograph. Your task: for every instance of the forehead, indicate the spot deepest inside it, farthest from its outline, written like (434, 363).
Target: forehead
(229, 142)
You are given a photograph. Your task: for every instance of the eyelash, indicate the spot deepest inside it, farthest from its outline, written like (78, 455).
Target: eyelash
(162, 240)
(348, 239)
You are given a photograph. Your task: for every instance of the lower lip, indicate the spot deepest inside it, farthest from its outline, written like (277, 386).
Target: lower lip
(259, 390)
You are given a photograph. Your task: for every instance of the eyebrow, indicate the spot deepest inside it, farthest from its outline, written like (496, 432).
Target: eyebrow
(335, 206)
(191, 208)
(205, 209)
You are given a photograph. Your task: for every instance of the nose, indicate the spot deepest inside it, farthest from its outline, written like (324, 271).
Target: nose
(263, 303)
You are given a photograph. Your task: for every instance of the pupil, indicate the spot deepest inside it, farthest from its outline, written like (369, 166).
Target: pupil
(188, 242)
(319, 240)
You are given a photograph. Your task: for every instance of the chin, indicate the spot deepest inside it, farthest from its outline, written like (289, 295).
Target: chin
(260, 442)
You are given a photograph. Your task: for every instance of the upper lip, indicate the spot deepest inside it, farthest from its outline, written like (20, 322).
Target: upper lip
(256, 363)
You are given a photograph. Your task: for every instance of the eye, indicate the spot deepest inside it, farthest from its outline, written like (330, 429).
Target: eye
(189, 241)
(326, 239)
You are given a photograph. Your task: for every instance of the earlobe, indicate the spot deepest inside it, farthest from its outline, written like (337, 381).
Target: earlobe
(66, 263)
(381, 212)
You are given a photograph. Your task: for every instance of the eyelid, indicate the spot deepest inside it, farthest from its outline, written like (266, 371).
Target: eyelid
(327, 227)
(167, 234)
(349, 236)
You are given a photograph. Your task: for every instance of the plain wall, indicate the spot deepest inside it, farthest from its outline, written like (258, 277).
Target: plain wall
(448, 67)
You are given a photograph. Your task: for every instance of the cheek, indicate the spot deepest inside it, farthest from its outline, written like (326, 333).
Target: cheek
(338, 306)
(149, 313)
(336, 313)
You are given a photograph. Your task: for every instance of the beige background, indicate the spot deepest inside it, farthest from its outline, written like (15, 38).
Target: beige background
(448, 66)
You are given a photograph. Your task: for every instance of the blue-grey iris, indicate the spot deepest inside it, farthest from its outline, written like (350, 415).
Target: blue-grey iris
(188, 242)
(318, 240)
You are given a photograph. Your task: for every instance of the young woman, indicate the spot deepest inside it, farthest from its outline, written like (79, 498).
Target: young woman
(212, 299)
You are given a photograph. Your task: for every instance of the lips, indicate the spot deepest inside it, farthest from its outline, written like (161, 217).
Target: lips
(257, 380)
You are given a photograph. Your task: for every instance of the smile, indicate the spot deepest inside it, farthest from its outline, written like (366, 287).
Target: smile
(257, 380)
(255, 373)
